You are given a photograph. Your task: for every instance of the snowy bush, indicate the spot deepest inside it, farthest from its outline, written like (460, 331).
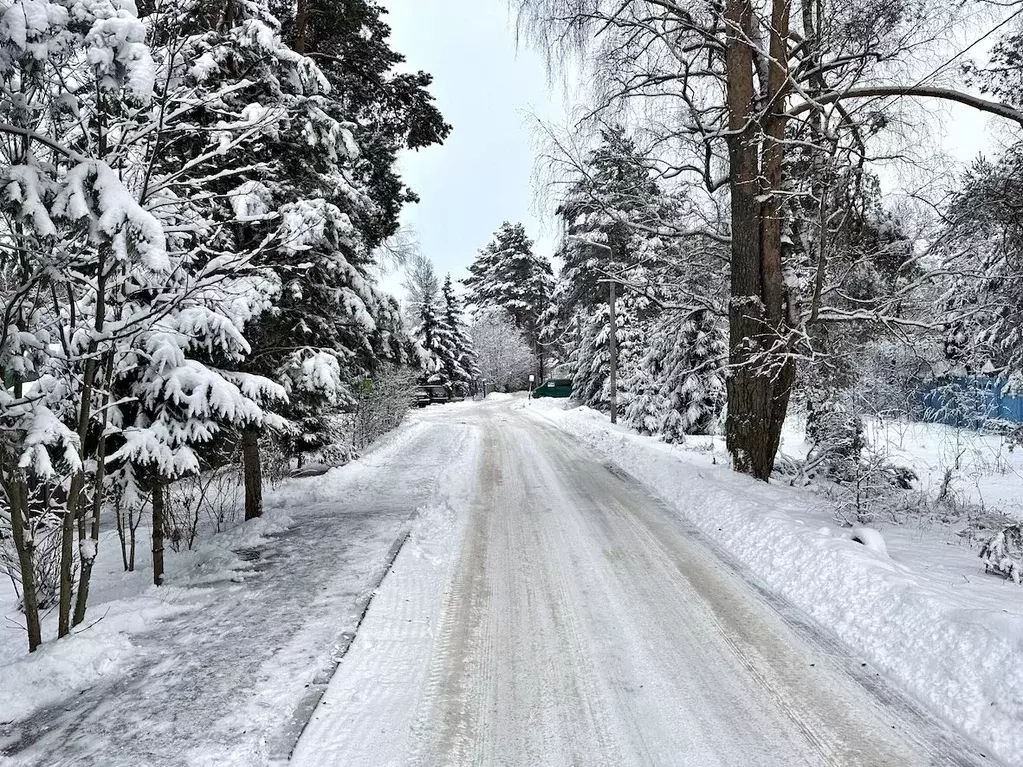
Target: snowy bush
(1003, 554)
(870, 488)
(377, 404)
(860, 478)
(837, 439)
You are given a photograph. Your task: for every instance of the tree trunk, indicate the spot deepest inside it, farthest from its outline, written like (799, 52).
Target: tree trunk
(88, 559)
(133, 527)
(748, 393)
(762, 372)
(302, 18)
(158, 524)
(24, 544)
(119, 517)
(253, 473)
(91, 535)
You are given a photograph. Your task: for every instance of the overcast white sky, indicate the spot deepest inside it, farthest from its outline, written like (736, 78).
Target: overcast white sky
(490, 90)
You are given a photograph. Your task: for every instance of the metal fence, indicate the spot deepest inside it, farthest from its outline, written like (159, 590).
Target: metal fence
(969, 401)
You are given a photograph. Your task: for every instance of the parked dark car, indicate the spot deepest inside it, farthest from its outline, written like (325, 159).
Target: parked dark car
(431, 395)
(555, 387)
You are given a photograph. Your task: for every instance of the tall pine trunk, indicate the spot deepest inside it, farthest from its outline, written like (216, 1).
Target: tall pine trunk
(303, 14)
(762, 372)
(253, 473)
(159, 517)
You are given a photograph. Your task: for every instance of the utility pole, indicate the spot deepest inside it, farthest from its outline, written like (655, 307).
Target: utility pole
(613, 343)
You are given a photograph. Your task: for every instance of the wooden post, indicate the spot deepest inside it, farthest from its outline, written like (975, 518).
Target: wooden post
(613, 342)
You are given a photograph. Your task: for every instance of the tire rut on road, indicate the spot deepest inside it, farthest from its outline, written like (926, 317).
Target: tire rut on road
(580, 622)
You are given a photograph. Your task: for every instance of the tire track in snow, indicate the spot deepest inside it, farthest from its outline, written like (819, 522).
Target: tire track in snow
(463, 647)
(576, 621)
(827, 704)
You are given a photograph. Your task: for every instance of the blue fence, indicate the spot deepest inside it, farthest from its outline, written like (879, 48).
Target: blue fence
(969, 402)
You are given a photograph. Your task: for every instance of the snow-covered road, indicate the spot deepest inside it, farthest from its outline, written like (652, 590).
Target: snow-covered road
(551, 612)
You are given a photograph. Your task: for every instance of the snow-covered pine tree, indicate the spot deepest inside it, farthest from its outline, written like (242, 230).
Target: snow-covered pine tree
(679, 386)
(983, 246)
(507, 274)
(432, 340)
(287, 201)
(590, 362)
(442, 344)
(461, 365)
(611, 213)
(612, 196)
(390, 108)
(434, 345)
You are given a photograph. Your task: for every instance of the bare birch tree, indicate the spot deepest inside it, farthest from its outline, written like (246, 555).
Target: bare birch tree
(771, 105)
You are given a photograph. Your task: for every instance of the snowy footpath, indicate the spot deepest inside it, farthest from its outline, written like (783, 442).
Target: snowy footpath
(554, 611)
(220, 667)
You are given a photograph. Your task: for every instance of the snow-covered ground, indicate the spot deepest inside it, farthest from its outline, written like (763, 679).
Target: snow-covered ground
(211, 668)
(926, 615)
(982, 468)
(569, 592)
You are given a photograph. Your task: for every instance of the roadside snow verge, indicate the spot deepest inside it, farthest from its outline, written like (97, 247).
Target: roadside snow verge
(965, 663)
(78, 662)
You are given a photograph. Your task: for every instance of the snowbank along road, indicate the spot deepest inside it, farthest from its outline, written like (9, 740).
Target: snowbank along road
(551, 612)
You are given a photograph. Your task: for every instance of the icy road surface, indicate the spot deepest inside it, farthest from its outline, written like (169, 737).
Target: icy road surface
(550, 612)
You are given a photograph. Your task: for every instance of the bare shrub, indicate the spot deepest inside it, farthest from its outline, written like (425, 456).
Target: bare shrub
(383, 401)
(45, 531)
(203, 504)
(275, 460)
